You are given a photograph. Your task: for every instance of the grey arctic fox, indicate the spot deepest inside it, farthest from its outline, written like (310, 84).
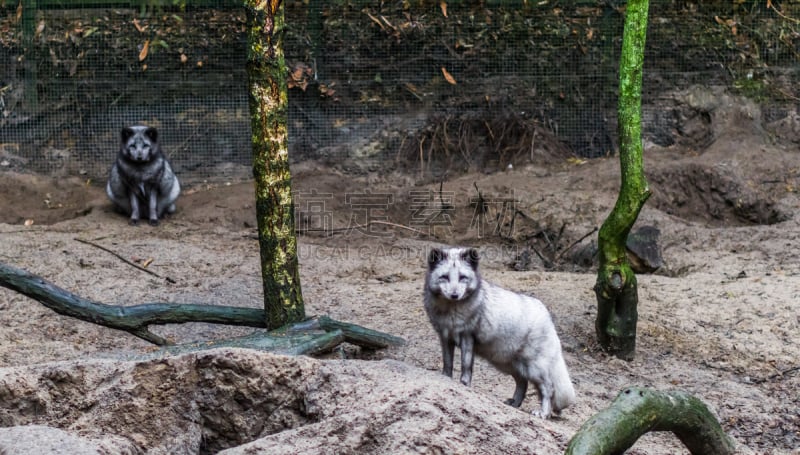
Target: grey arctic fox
(514, 332)
(141, 181)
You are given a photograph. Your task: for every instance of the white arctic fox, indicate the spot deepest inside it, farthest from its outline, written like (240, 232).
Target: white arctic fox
(512, 331)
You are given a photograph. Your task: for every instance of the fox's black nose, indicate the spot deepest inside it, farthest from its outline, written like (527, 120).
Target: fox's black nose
(454, 295)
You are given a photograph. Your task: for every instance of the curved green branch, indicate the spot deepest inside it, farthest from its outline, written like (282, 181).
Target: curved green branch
(636, 411)
(300, 338)
(132, 319)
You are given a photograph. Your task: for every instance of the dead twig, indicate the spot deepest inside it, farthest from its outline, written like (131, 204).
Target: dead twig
(779, 374)
(421, 158)
(118, 256)
(546, 262)
(576, 242)
(511, 224)
(481, 201)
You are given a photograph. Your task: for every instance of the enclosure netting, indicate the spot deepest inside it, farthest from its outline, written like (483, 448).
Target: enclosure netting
(423, 85)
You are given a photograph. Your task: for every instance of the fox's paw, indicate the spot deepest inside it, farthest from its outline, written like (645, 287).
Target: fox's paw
(540, 414)
(512, 403)
(153, 222)
(133, 222)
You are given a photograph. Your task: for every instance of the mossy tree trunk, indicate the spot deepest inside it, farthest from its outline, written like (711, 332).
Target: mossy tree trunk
(617, 297)
(266, 74)
(637, 411)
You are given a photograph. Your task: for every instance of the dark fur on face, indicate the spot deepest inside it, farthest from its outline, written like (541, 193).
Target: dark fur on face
(437, 255)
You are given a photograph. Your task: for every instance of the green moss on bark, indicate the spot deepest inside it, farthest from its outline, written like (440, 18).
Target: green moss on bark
(615, 289)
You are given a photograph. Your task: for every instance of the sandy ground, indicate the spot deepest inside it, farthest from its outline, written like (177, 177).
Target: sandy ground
(719, 320)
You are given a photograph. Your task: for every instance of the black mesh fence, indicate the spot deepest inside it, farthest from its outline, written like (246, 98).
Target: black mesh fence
(427, 86)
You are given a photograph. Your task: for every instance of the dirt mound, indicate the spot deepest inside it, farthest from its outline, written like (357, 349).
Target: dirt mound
(221, 399)
(44, 200)
(712, 195)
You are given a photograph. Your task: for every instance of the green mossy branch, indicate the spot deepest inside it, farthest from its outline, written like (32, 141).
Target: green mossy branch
(307, 337)
(636, 411)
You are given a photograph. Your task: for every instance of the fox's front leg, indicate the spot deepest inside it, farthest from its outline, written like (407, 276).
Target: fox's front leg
(467, 358)
(135, 213)
(152, 204)
(448, 350)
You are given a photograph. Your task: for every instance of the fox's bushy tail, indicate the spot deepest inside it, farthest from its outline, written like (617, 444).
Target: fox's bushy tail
(563, 391)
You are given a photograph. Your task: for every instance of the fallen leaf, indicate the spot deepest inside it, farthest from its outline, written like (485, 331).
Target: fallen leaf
(443, 6)
(147, 262)
(575, 160)
(448, 77)
(143, 52)
(139, 26)
(19, 11)
(29, 222)
(184, 58)
(40, 27)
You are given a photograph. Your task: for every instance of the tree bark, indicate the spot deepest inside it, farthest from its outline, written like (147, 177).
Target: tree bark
(616, 292)
(266, 73)
(306, 337)
(637, 411)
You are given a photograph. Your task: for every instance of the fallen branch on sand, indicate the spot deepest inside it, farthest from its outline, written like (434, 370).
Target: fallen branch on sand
(308, 337)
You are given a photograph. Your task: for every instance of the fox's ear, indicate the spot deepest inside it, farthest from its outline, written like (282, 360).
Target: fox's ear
(471, 257)
(436, 256)
(151, 133)
(126, 134)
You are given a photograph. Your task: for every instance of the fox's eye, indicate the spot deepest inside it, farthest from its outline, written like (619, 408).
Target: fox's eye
(442, 279)
(463, 278)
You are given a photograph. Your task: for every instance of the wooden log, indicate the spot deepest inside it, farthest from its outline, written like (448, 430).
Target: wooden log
(636, 411)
